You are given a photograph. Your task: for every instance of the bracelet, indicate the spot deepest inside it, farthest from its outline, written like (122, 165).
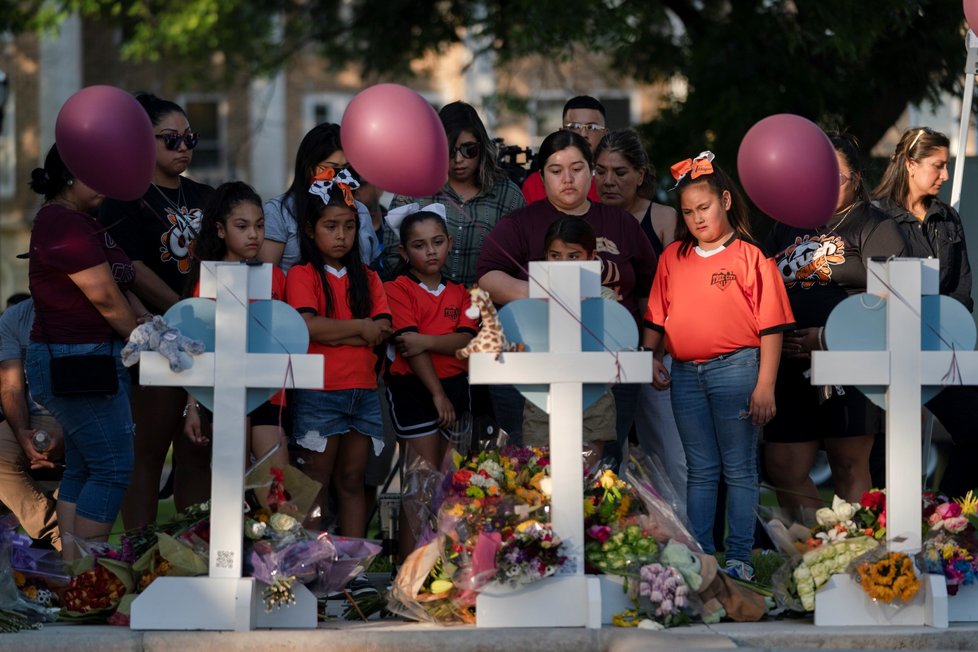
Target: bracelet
(186, 408)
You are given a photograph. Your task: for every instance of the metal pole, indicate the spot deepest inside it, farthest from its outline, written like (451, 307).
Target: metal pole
(966, 101)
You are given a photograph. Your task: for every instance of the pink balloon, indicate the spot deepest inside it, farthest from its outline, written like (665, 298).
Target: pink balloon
(106, 139)
(971, 13)
(788, 168)
(393, 137)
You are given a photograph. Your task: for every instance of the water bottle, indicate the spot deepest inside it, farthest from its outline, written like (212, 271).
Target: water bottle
(41, 440)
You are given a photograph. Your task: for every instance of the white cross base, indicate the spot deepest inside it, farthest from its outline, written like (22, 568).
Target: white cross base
(903, 368)
(224, 600)
(571, 599)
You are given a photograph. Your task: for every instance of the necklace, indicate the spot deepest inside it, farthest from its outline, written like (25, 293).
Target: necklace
(181, 200)
(844, 216)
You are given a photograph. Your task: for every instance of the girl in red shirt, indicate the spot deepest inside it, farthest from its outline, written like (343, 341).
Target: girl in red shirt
(345, 309)
(722, 307)
(427, 386)
(232, 230)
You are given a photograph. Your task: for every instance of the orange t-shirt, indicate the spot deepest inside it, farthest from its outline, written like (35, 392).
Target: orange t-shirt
(346, 366)
(709, 306)
(416, 308)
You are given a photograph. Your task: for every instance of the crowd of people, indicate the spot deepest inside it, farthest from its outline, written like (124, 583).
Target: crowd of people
(385, 294)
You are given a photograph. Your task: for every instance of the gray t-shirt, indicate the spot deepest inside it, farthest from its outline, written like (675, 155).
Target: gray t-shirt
(15, 336)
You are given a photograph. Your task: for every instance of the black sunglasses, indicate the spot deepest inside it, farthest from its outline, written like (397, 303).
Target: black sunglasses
(467, 150)
(172, 141)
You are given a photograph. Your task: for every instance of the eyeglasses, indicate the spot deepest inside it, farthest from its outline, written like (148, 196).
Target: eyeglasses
(584, 128)
(172, 141)
(467, 150)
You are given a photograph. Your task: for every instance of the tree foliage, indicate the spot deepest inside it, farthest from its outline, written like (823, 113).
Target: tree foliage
(840, 62)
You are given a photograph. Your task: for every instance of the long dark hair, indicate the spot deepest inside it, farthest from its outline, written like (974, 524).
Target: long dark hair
(358, 293)
(157, 108)
(317, 145)
(404, 234)
(208, 245)
(53, 178)
(458, 117)
(737, 214)
(848, 145)
(916, 144)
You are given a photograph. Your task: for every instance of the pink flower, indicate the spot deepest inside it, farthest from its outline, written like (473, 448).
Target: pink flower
(948, 510)
(955, 524)
(599, 533)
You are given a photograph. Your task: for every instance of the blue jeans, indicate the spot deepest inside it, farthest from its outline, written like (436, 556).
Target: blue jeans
(626, 402)
(710, 401)
(98, 432)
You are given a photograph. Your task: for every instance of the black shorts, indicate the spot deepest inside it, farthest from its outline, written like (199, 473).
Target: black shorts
(267, 414)
(801, 418)
(412, 411)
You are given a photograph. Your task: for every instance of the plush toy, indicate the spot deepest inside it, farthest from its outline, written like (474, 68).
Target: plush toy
(156, 335)
(491, 338)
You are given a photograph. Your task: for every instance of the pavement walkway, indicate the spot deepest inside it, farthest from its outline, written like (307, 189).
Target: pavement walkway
(397, 636)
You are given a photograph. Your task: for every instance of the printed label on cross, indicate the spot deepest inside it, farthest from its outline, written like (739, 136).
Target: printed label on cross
(230, 370)
(565, 368)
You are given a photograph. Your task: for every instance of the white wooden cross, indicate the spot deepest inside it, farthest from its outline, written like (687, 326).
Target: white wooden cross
(903, 368)
(224, 600)
(570, 600)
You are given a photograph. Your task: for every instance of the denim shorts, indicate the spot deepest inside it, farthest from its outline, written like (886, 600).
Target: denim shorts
(98, 432)
(321, 414)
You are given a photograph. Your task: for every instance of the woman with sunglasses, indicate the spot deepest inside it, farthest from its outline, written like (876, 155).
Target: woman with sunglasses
(157, 233)
(820, 268)
(908, 193)
(476, 195)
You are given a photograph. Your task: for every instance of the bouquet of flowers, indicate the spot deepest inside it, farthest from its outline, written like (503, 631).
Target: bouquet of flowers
(667, 593)
(887, 576)
(619, 549)
(942, 555)
(531, 554)
(816, 566)
(488, 528)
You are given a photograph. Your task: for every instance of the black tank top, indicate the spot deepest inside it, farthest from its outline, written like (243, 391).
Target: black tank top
(650, 232)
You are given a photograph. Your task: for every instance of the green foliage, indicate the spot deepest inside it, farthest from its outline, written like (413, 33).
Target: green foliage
(839, 62)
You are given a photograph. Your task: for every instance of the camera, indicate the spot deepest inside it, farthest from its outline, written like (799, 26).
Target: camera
(515, 161)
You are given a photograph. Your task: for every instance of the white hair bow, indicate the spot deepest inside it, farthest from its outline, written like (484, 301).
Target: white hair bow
(395, 216)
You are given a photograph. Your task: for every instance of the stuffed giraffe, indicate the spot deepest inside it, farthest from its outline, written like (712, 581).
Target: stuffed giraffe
(491, 338)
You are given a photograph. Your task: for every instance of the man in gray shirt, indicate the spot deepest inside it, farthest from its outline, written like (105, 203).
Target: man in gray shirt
(18, 490)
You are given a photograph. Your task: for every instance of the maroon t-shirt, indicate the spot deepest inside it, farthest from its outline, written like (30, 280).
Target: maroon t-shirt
(627, 258)
(63, 242)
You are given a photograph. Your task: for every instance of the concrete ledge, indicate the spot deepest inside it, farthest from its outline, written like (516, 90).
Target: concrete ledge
(396, 636)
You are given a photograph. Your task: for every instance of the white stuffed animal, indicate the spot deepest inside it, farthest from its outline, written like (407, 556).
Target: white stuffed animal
(156, 335)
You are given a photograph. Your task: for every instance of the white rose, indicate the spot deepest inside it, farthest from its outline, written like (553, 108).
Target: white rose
(826, 517)
(844, 511)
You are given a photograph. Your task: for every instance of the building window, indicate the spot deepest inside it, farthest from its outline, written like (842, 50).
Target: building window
(8, 149)
(207, 119)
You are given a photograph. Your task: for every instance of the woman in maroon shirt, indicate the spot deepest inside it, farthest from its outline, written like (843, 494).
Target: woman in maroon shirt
(78, 278)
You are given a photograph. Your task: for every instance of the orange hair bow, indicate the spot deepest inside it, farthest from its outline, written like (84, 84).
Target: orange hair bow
(694, 167)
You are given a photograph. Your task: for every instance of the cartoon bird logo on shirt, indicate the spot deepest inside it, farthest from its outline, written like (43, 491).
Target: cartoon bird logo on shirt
(809, 260)
(184, 227)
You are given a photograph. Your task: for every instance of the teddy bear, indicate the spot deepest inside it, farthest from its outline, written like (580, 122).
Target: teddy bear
(156, 335)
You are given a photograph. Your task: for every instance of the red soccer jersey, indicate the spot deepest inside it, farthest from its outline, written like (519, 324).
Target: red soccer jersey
(709, 306)
(278, 285)
(346, 366)
(416, 308)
